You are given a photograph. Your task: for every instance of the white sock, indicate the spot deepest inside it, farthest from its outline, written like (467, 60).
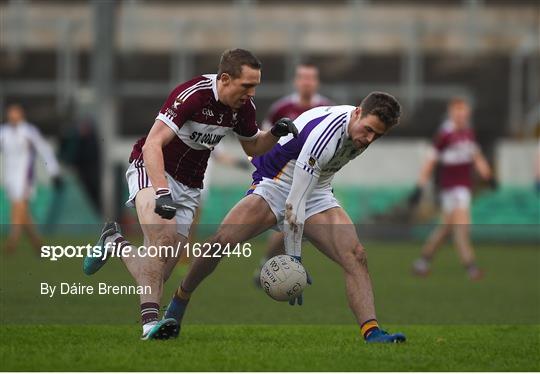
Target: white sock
(147, 326)
(421, 264)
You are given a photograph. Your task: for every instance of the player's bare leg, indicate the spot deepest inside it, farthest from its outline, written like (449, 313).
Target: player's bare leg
(18, 218)
(461, 234)
(21, 221)
(152, 271)
(31, 231)
(438, 236)
(249, 217)
(334, 234)
(148, 271)
(274, 247)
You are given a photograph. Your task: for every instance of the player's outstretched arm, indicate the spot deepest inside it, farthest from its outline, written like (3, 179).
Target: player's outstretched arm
(267, 139)
(482, 166)
(295, 209)
(46, 152)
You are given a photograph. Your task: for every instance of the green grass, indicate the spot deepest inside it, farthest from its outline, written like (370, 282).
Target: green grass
(451, 323)
(268, 348)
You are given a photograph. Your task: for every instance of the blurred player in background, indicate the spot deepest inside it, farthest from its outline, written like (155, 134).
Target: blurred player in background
(292, 186)
(168, 166)
(457, 153)
(20, 142)
(305, 97)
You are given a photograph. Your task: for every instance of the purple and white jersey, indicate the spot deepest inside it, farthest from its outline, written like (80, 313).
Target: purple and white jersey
(19, 146)
(322, 148)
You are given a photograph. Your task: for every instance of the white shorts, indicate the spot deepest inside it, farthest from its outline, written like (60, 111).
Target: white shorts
(276, 193)
(137, 179)
(455, 197)
(19, 189)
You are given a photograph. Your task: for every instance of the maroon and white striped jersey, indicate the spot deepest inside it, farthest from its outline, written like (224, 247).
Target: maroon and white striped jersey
(199, 121)
(455, 151)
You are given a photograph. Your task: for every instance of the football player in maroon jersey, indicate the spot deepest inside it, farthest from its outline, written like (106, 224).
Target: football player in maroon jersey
(167, 168)
(457, 153)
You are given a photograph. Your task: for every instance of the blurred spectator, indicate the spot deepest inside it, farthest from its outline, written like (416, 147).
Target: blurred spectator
(305, 97)
(20, 141)
(456, 151)
(81, 150)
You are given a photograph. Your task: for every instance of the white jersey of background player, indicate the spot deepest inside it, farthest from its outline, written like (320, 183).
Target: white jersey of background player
(20, 143)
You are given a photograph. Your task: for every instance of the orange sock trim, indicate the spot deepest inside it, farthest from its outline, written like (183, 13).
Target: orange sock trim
(368, 326)
(182, 294)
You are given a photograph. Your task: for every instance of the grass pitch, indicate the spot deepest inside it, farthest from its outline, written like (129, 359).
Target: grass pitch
(269, 348)
(450, 322)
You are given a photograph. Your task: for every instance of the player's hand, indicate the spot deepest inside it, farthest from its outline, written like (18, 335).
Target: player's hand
(164, 204)
(415, 196)
(300, 298)
(284, 127)
(58, 183)
(290, 218)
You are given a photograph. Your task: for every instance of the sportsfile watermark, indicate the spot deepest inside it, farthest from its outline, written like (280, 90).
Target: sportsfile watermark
(58, 290)
(112, 249)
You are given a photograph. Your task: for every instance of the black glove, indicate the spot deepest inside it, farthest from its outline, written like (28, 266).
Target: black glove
(58, 183)
(492, 183)
(415, 196)
(164, 204)
(284, 127)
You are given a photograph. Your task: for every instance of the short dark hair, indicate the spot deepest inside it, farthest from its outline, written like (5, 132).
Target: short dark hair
(232, 60)
(382, 105)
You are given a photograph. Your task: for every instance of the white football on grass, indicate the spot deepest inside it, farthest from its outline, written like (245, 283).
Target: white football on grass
(283, 278)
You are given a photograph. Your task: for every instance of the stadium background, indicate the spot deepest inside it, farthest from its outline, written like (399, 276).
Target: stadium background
(111, 64)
